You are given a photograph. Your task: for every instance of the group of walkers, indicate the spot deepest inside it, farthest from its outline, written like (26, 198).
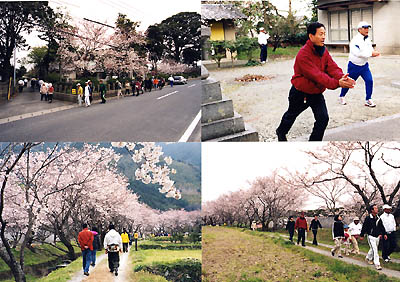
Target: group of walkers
(113, 244)
(377, 228)
(46, 91)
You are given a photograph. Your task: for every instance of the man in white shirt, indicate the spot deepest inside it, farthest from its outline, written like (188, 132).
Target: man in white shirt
(389, 223)
(360, 50)
(355, 230)
(87, 94)
(113, 246)
(263, 41)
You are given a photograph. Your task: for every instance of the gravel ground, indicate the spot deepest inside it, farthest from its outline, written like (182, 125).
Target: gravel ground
(263, 103)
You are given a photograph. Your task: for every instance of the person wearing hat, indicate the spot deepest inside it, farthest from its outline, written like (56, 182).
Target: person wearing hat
(301, 227)
(314, 72)
(263, 42)
(375, 230)
(389, 223)
(80, 93)
(87, 94)
(360, 50)
(354, 231)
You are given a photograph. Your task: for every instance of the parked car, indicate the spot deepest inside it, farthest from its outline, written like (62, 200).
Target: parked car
(180, 80)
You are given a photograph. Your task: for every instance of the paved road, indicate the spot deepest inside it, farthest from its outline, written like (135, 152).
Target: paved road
(172, 114)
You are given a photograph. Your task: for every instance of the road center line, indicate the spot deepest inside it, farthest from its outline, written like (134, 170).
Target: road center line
(166, 95)
(190, 129)
(193, 85)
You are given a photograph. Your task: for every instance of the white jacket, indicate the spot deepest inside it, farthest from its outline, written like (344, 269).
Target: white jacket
(263, 38)
(360, 50)
(355, 229)
(112, 238)
(87, 91)
(388, 222)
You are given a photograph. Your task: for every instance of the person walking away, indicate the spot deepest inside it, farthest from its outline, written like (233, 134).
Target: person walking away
(373, 227)
(290, 228)
(87, 94)
(354, 231)
(20, 85)
(113, 246)
(389, 223)
(96, 245)
(138, 87)
(33, 82)
(127, 87)
(360, 50)
(80, 93)
(314, 225)
(119, 89)
(338, 235)
(51, 92)
(263, 42)
(161, 83)
(301, 227)
(314, 71)
(125, 241)
(171, 81)
(43, 92)
(85, 239)
(156, 83)
(90, 91)
(103, 90)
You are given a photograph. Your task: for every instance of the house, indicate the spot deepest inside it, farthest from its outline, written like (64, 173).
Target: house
(341, 18)
(220, 20)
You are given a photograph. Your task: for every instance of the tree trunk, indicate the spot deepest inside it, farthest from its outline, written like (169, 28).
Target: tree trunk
(67, 243)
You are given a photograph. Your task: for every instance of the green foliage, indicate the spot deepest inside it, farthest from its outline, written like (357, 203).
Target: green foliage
(170, 246)
(180, 271)
(247, 45)
(217, 48)
(52, 77)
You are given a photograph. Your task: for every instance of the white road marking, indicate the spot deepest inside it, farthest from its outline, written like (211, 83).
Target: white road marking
(190, 129)
(166, 95)
(192, 85)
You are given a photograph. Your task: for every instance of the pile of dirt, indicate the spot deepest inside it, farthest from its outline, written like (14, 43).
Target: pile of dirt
(254, 77)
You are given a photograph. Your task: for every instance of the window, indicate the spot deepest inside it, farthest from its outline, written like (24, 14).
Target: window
(338, 26)
(358, 15)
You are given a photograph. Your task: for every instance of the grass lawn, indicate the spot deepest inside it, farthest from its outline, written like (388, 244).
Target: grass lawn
(233, 254)
(288, 52)
(147, 257)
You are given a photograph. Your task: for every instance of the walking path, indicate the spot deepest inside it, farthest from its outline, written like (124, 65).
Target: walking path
(102, 273)
(386, 271)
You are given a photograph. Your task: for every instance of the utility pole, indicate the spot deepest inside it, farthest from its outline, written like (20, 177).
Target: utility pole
(15, 61)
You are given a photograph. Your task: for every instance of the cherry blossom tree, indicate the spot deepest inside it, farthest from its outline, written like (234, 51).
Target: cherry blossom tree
(171, 67)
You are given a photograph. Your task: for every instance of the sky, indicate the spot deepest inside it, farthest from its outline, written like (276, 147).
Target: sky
(148, 12)
(227, 167)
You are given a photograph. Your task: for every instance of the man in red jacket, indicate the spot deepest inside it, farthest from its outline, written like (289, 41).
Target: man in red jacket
(85, 239)
(314, 71)
(301, 226)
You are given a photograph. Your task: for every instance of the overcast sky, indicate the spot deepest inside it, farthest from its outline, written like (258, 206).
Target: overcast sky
(228, 167)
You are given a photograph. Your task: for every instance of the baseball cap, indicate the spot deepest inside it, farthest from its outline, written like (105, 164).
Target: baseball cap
(387, 207)
(356, 218)
(363, 24)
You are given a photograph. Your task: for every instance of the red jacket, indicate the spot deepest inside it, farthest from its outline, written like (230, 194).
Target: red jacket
(301, 223)
(313, 73)
(85, 238)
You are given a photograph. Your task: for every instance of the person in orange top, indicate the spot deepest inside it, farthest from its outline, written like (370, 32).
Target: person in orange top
(85, 239)
(301, 226)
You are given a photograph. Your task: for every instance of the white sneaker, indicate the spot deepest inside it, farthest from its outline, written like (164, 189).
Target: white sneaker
(386, 260)
(378, 267)
(370, 103)
(342, 101)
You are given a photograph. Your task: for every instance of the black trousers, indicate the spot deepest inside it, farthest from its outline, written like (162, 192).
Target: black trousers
(314, 231)
(388, 245)
(301, 236)
(300, 101)
(291, 233)
(113, 260)
(263, 53)
(103, 97)
(125, 247)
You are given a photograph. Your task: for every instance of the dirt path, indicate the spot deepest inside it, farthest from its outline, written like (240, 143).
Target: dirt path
(101, 272)
(263, 103)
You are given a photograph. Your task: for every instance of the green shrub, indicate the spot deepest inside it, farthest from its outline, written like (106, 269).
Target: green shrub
(171, 246)
(184, 270)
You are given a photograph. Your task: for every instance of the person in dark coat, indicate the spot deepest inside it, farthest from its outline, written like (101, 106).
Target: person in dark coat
(96, 245)
(290, 227)
(314, 225)
(338, 235)
(103, 90)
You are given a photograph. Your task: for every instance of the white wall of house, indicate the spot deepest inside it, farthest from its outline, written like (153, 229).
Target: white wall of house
(382, 16)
